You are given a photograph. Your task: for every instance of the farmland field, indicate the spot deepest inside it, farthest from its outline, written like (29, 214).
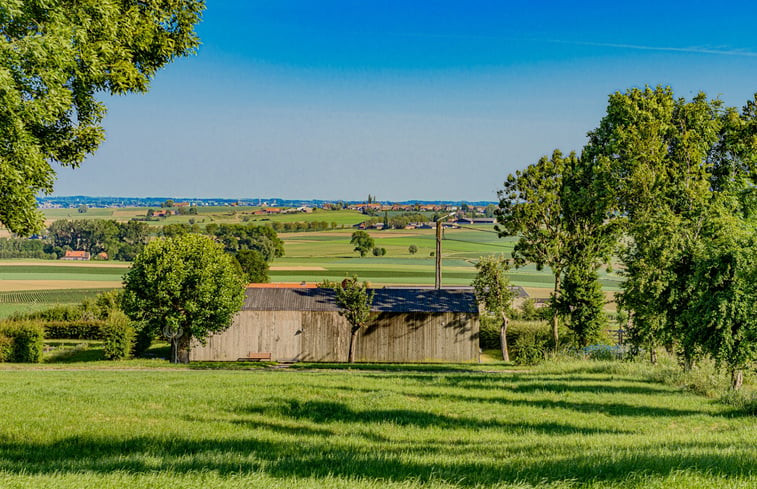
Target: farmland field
(586, 424)
(309, 257)
(313, 257)
(206, 215)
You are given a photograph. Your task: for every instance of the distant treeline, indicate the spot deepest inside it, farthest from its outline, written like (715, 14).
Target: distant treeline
(399, 221)
(121, 241)
(24, 248)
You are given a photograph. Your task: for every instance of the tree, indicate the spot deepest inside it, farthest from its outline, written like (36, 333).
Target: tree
(722, 312)
(582, 301)
(354, 300)
(412, 249)
(254, 266)
(673, 167)
(531, 207)
(56, 61)
(83, 209)
(362, 241)
(236, 237)
(492, 288)
(184, 288)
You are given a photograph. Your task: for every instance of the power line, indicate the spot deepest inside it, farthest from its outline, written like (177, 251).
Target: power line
(476, 229)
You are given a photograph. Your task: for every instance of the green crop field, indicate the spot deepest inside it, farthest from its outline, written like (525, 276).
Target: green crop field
(209, 214)
(312, 257)
(25, 301)
(587, 424)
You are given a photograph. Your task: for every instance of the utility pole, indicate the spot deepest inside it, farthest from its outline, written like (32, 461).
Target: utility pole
(438, 281)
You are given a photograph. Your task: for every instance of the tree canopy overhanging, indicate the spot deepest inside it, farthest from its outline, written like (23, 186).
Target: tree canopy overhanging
(55, 58)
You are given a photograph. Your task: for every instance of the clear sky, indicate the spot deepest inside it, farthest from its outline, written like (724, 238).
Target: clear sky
(404, 99)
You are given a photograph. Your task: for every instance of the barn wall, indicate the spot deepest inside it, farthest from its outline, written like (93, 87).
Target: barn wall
(277, 332)
(419, 337)
(323, 336)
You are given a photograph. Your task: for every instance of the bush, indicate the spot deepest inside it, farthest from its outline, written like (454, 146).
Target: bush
(74, 330)
(6, 348)
(528, 341)
(118, 337)
(26, 341)
(143, 340)
(488, 338)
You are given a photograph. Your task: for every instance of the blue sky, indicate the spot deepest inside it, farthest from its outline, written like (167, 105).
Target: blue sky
(401, 99)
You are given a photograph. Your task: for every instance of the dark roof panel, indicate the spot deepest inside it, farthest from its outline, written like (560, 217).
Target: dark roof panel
(385, 300)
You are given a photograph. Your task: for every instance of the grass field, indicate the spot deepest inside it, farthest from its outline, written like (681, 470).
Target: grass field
(585, 424)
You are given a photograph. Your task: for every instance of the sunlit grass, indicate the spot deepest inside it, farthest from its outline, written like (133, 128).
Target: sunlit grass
(587, 424)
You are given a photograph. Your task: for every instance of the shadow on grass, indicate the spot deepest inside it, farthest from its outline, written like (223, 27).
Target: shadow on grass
(334, 412)
(400, 367)
(328, 458)
(608, 408)
(73, 352)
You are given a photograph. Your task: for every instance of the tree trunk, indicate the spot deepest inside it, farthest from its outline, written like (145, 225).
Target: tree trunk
(653, 355)
(737, 378)
(555, 334)
(351, 354)
(180, 349)
(503, 338)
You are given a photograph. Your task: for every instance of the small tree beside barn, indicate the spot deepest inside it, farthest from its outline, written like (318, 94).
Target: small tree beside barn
(354, 300)
(493, 291)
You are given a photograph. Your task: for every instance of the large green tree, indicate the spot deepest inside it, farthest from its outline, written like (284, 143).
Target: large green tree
(492, 287)
(722, 312)
(531, 208)
(672, 166)
(56, 58)
(184, 288)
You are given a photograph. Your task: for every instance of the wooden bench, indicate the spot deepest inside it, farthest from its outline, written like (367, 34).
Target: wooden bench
(259, 356)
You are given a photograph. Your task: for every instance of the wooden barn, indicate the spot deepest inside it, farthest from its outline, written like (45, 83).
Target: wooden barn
(303, 324)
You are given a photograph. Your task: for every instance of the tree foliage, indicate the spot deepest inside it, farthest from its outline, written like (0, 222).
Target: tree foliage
(254, 266)
(354, 300)
(237, 237)
(185, 286)
(552, 208)
(122, 241)
(55, 60)
(363, 242)
(682, 173)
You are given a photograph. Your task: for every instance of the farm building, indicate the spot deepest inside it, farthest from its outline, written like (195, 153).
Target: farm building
(75, 256)
(303, 324)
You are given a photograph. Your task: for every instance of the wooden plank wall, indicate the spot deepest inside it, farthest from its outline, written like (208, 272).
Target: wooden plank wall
(277, 332)
(420, 337)
(320, 336)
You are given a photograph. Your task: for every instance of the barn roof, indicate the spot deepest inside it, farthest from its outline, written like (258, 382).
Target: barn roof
(385, 300)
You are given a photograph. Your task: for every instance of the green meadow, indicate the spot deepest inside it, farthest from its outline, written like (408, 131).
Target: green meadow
(582, 424)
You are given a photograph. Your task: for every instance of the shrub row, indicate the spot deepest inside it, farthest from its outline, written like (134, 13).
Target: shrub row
(73, 330)
(21, 342)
